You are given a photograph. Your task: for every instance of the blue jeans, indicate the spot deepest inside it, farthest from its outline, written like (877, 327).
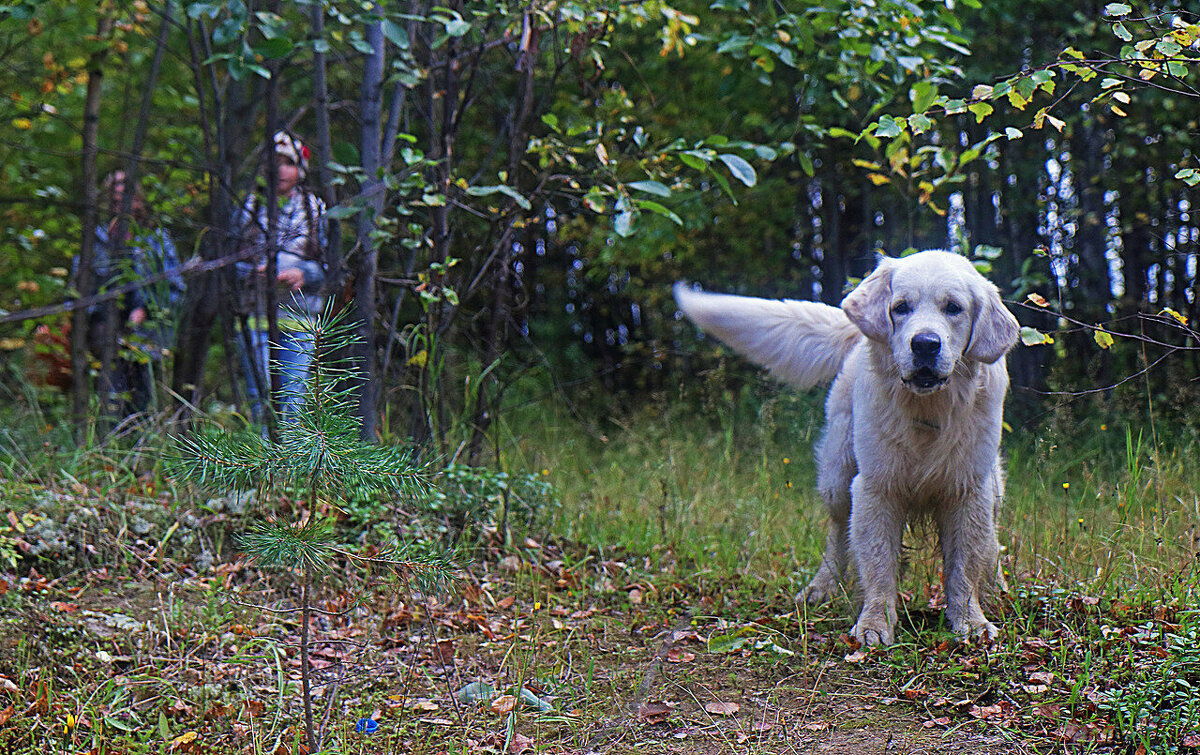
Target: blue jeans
(293, 359)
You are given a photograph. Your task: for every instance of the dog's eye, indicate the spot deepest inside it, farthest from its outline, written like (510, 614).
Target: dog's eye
(901, 308)
(953, 308)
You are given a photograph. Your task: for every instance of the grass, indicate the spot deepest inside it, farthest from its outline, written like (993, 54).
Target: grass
(663, 576)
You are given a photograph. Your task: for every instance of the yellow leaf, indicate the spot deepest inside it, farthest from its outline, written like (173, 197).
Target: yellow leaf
(1167, 311)
(1103, 338)
(602, 154)
(1038, 299)
(1056, 123)
(878, 179)
(185, 738)
(419, 359)
(11, 344)
(22, 123)
(1118, 111)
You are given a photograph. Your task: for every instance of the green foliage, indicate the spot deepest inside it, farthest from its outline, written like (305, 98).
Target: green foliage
(469, 499)
(303, 546)
(1159, 708)
(319, 456)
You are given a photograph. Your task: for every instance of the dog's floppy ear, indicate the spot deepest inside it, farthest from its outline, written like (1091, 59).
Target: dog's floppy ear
(867, 305)
(994, 331)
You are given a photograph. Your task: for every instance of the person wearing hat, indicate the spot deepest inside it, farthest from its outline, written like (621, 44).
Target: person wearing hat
(301, 234)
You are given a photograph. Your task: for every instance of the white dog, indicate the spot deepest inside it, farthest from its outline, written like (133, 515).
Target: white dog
(912, 421)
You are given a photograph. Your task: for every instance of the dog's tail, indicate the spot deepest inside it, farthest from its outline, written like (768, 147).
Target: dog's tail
(801, 342)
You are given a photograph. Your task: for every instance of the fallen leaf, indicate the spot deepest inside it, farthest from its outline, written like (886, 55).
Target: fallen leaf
(675, 655)
(858, 656)
(520, 743)
(58, 605)
(505, 602)
(654, 712)
(183, 742)
(916, 694)
(985, 712)
(1191, 740)
(816, 726)
(1041, 677)
(6, 714)
(503, 704)
(722, 709)
(425, 706)
(943, 721)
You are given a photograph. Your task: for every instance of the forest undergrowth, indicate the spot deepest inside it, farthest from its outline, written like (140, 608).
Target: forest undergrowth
(622, 587)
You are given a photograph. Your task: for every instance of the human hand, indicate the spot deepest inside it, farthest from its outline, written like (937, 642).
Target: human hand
(292, 277)
(137, 316)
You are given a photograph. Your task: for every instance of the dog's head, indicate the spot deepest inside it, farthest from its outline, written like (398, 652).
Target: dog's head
(932, 309)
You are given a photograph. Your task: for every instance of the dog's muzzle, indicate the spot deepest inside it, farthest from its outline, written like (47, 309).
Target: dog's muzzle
(925, 380)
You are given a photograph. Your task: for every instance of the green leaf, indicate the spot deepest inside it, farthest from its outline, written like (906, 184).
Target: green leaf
(806, 164)
(476, 692)
(395, 33)
(658, 209)
(1013, 133)
(1034, 337)
(650, 187)
(1103, 338)
(1117, 9)
(890, 127)
(117, 723)
(342, 211)
(1121, 32)
(726, 643)
(274, 49)
(623, 224)
(980, 110)
(456, 27)
(741, 170)
(922, 94)
(919, 123)
(1189, 176)
(483, 191)
(551, 120)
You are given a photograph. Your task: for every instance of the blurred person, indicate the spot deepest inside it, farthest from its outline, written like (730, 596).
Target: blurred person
(145, 317)
(299, 242)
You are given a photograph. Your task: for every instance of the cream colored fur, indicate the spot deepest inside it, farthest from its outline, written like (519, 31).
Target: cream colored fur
(912, 431)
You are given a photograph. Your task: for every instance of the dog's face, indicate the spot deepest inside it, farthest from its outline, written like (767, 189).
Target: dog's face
(933, 310)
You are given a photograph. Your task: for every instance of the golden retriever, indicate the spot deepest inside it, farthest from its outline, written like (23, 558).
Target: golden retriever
(912, 421)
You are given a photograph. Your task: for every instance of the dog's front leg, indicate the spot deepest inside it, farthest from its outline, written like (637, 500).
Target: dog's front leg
(970, 553)
(875, 531)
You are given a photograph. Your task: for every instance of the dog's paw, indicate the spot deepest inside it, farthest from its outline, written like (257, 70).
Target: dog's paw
(818, 591)
(869, 632)
(978, 631)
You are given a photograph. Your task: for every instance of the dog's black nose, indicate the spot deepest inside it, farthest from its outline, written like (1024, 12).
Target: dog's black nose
(926, 346)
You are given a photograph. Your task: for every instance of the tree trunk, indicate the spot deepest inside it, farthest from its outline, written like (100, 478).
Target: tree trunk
(496, 334)
(334, 264)
(86, 278)
(368, 258)
(211, 293)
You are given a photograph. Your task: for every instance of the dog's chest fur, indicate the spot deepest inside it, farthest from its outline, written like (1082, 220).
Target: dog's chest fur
(927, 451)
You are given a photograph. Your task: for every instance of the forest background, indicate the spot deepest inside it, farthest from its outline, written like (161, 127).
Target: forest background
(515, 186)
